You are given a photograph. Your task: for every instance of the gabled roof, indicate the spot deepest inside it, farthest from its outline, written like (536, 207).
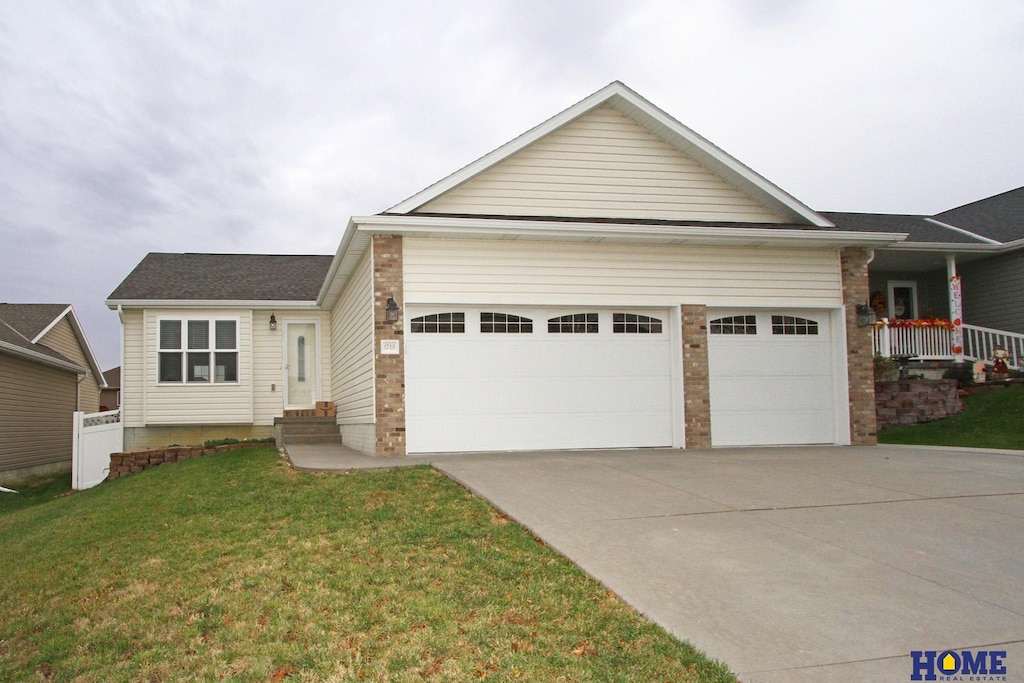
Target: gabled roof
(999, 218)
(196, 278)
(621, 98)
(23, 325)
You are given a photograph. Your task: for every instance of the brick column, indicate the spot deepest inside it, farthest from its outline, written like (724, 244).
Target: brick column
(696, 380)
(389, 370)
(859, 352)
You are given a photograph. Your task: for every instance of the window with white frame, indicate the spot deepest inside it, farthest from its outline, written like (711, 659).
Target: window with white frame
(198, 351)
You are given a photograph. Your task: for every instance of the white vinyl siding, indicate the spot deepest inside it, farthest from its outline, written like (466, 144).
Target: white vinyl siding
(352, 347)
(182, 404)
(602, 165)
(133, 393)
(520, 272)
(268, 375)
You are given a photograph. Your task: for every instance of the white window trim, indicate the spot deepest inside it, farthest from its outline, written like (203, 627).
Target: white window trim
(183, 349)
(908, 284)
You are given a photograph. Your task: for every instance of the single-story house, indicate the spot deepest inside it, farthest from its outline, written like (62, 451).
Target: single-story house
(608, 279)
(47, 372)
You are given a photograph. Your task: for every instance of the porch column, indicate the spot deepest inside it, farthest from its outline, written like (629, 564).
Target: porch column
(956, 308)
(389, 368)
(860, 361)
(696, 378)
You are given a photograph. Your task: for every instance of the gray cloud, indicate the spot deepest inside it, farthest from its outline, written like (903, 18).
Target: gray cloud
(261, 127)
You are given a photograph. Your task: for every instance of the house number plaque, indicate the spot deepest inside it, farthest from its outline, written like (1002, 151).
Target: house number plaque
(389, 347)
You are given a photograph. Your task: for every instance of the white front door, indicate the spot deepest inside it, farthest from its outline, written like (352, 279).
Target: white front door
(301, 364)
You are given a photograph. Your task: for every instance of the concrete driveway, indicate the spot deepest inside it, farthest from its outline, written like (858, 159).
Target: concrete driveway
(789, 564)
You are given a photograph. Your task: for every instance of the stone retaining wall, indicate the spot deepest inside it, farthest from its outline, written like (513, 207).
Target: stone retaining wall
(908, 402)
(123, 464)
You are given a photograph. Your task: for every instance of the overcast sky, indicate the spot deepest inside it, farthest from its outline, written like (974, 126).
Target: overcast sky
(258, 127)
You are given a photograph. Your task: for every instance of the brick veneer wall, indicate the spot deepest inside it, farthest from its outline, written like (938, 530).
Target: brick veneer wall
(389, 370)
(910, 402)
(123, 464)
(696, 378)
(860, 362)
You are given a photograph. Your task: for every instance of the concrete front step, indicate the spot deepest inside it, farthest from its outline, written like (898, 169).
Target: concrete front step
(325, 439)
(307, 430)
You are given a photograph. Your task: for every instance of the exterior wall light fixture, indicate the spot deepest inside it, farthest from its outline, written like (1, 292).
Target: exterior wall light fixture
(273, 322)
(391, 312)
(865, 315)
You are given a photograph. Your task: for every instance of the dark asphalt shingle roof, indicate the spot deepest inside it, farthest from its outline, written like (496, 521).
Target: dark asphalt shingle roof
(918, 228)
(30, 319)
(224, 277)
(1000, 217)
(21, 323)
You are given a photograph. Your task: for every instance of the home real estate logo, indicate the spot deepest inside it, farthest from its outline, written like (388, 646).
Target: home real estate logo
(958, 665)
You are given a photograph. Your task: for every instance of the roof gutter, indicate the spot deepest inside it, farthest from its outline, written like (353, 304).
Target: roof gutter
(41, 358)
(262, 304)
(488, 228)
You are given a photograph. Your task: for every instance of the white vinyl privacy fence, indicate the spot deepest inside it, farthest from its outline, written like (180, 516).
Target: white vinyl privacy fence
(96, 436)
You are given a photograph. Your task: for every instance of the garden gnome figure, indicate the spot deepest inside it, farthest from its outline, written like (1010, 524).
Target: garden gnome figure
(999, 367)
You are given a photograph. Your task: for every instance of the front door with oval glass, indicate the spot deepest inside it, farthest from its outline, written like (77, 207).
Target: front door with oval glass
(301, 365)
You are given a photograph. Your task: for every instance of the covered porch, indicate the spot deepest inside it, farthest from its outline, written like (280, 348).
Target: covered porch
(932, 305)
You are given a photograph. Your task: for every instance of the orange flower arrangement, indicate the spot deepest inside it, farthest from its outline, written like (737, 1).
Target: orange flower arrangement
(930, 322)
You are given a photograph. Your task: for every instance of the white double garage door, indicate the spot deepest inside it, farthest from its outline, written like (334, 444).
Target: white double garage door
(507, 378)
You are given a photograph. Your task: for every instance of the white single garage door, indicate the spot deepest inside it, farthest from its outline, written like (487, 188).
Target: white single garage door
(772, 378)
(500, 378)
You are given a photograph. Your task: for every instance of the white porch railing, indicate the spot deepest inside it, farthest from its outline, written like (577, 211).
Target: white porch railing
(979, 342)
(936, 343)
(96, 436)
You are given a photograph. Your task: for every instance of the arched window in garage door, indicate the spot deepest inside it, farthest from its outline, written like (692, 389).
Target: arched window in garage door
(734, 324)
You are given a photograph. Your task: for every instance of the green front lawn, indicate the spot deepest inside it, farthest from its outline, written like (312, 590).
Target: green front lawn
(991, 420)
(235, 567)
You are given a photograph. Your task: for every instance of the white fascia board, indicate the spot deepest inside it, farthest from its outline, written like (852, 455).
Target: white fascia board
(962, 231)
(76, 327)
(114, 304)
(947, 247)
(659, 123)
(53, 323)
(41, 358)
(486, 228)
(354, 244)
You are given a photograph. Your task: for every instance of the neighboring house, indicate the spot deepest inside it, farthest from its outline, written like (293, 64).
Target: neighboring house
(110, 396)
(47, 371)
(608, 279)
(982, 242)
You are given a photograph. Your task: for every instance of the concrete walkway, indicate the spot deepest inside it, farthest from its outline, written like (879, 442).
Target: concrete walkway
(789, 564)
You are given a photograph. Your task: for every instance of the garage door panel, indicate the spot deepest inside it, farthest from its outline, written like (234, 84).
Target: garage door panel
(479, 391)
(772, 389)
(792, 393)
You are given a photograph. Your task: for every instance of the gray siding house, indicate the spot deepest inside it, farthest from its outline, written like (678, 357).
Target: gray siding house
(47, 372)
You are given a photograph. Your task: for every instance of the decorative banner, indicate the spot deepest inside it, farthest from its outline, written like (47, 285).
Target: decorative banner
(956, 312)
